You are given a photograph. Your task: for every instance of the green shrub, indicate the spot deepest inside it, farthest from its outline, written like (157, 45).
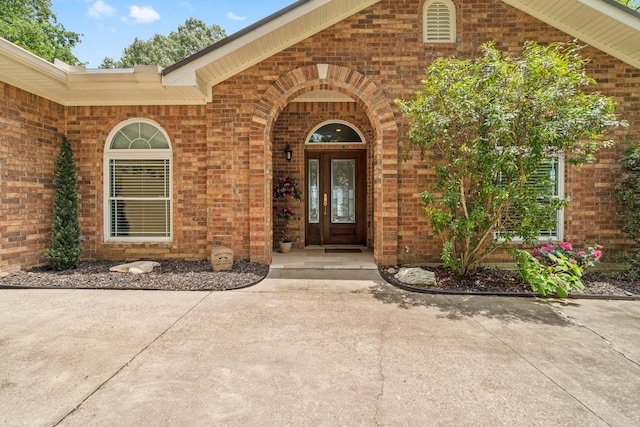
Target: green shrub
(562, 276)
(627, 193)
(487, 126)
(64, 252)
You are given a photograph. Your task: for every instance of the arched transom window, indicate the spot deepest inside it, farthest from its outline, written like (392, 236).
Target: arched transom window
(137, 170)
(335, 132)
(439, 21)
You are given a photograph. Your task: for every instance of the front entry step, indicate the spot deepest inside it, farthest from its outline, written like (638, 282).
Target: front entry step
(342, 251)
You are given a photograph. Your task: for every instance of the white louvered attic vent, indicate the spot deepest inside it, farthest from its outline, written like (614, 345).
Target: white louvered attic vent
(439, 22)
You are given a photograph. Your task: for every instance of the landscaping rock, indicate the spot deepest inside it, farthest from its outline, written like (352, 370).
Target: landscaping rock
(137, 267)
(416, 276)
(221, 258)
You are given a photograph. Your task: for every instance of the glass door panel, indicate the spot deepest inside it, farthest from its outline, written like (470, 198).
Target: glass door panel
(314, 191)
(343, 201)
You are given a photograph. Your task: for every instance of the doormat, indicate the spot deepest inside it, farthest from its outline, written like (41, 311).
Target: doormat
(342, 251)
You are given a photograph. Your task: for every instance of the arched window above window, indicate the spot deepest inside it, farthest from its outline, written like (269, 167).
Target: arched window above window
(335, 132)
(439, 21)
(139, 135)
(137, 184)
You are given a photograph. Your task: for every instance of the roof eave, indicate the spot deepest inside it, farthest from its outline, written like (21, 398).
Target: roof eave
(184, 73)
(237, 35)
(75, 85)
(622, 15)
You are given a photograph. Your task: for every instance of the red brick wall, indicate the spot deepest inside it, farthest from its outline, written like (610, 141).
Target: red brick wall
(226, 153)
(369, 43)
(30, 137)
(88, 129)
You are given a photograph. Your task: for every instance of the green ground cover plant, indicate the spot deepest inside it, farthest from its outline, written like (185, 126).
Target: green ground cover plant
(556, 267)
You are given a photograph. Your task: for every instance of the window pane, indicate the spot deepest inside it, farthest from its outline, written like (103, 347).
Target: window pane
(314, 194)
(139, 194)
(139, 136)
(139, 178)
(335, 132)
(121, 141)
(547, 175)
(547, 179)
(140, 218)
(343, 200)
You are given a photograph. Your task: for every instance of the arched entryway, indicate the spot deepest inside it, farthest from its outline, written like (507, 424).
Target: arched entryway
(367, 100)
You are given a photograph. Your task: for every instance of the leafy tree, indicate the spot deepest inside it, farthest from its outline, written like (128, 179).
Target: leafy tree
(64, 252)
(489, 124)
(32, 25)
(161, 50)
(631, 4)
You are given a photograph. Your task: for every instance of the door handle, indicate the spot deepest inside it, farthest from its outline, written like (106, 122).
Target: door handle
(325, 203)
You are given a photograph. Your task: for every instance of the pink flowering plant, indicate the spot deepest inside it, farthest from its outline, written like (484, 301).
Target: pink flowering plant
(583, 258)
(556, 267)
(285, 187)
(284, 213)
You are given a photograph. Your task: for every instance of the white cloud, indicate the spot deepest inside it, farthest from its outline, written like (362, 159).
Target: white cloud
(100, 9)
(235, 17)
(144, 14)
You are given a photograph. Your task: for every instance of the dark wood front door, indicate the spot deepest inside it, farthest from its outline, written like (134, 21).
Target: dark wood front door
(336, 197)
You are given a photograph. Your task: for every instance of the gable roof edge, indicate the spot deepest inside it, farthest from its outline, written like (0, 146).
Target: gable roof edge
(261, 40)
(629, 19)
(235, 36)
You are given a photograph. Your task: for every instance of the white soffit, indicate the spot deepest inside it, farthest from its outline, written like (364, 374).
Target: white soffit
(598, 23)
(73, 85)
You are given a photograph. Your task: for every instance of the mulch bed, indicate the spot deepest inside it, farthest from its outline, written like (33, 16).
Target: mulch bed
(170, 276)
(491, 280)
(198, 276)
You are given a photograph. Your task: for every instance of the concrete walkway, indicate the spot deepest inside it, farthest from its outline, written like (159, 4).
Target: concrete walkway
(311, 350)
(317, 258)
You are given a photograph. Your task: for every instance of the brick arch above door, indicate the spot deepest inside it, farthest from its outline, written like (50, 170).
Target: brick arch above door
(378, 109)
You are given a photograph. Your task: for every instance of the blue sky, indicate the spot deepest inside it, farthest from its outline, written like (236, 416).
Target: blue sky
(108, 26)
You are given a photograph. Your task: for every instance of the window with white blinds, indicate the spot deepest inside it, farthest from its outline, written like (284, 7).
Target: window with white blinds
(139, 198)
(138, 183)
(439, 21)
(550, 174)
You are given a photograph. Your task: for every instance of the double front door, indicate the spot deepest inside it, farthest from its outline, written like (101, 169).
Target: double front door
(336, 197)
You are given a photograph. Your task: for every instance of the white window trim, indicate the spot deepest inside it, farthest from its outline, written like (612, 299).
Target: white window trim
(452, 21)
(134, 154)
(342, 122)
(560, 213)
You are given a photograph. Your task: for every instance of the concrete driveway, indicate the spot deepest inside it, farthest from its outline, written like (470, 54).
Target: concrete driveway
(299, 350)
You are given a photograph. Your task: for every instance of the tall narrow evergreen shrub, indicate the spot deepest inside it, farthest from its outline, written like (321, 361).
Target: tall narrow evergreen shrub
(64, 252)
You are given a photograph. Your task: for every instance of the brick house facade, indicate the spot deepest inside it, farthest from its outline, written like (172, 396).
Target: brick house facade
(227, 145)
